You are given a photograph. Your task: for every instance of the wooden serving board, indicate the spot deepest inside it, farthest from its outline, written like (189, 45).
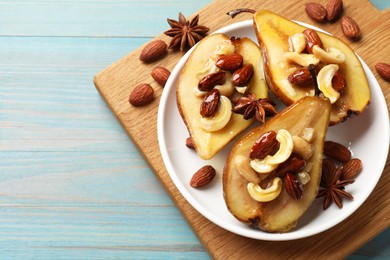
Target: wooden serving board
(116, 82)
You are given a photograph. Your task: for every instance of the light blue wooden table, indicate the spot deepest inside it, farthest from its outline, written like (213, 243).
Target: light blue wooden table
(72, 184)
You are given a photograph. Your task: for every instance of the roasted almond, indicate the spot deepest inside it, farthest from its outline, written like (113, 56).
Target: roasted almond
(153, 51)
(293, 186)
(312, 39)
(209, 81)
(190, 143)
(350, 28)
(334, 9)
(338, 81)
(243, 75)
(203, 176)
(351, 169)
(264, 145)
(293, 165)
(315, 11)
(230, 62)
(160, 75)
(337, 151)
(209, 105)
(384, 70)
(141, 95)
(301, 77)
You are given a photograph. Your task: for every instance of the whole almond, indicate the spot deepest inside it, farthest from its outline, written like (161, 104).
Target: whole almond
(312, 38)
(351, 169)
(334, 9)
(293, 165)
(301, 77)
(203, 176)
(264, 145)
(384, 70)
(210, 102)
(142, 95)
(337, 151)
(153, 51)
(211, 80)
(293, 186)
(315, 11)
(160, 75)
(243, 75)
(338, 81)
(350, 28)
(190, 143)
(230, 62)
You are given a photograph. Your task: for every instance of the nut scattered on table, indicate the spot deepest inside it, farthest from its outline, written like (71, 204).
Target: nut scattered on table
(334, 9)
(350, 28)
(142, 95)
(383, 70)
(160, 75)
(153, 51)
(315, 11)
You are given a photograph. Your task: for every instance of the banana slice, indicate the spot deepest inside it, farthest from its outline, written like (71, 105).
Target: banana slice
(221, 117)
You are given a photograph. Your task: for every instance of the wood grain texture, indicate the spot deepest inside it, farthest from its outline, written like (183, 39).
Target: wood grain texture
(115, 82)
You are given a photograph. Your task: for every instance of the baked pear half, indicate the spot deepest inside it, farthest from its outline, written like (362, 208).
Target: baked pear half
(211, 124)
(287, 47)
(273, 172)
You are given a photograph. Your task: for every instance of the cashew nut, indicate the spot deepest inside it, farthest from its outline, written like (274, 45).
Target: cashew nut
(302, 59)
(243, 167)
(324, 81)
(331, 55)
(221, 117)
(268, 194)
(297, 42)
(302, 147)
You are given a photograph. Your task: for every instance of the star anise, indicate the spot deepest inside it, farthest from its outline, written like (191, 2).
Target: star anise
(185, 33)
(331, 187)
(251, 107)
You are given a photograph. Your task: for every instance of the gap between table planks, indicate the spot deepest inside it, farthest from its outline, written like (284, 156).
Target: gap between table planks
(116, 81)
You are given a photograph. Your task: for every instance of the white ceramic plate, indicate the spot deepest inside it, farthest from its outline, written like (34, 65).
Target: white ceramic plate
(367, 135)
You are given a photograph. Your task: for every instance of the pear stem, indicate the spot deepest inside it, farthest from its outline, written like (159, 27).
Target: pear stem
(312, 70)
(233, 13)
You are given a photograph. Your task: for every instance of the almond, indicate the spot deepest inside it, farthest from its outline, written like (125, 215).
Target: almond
(337, 151)
(160, 75)
(334, 9)
(141, 95)
(301, 77)
(190, 143)
(350, 28)
(153, 51)
(293, 165)
(209, 105)
(293, 186)
(315, 11)
(209, 81)
(243, 75)
(351, 169)
(203, 176)
(384, 70)
(230, 62)
(264, 145)
(338, 81)
(312, 38)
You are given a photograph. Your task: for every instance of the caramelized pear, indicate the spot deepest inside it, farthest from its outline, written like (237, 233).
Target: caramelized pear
(201, 63)
(273, 32)
(282, 213)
